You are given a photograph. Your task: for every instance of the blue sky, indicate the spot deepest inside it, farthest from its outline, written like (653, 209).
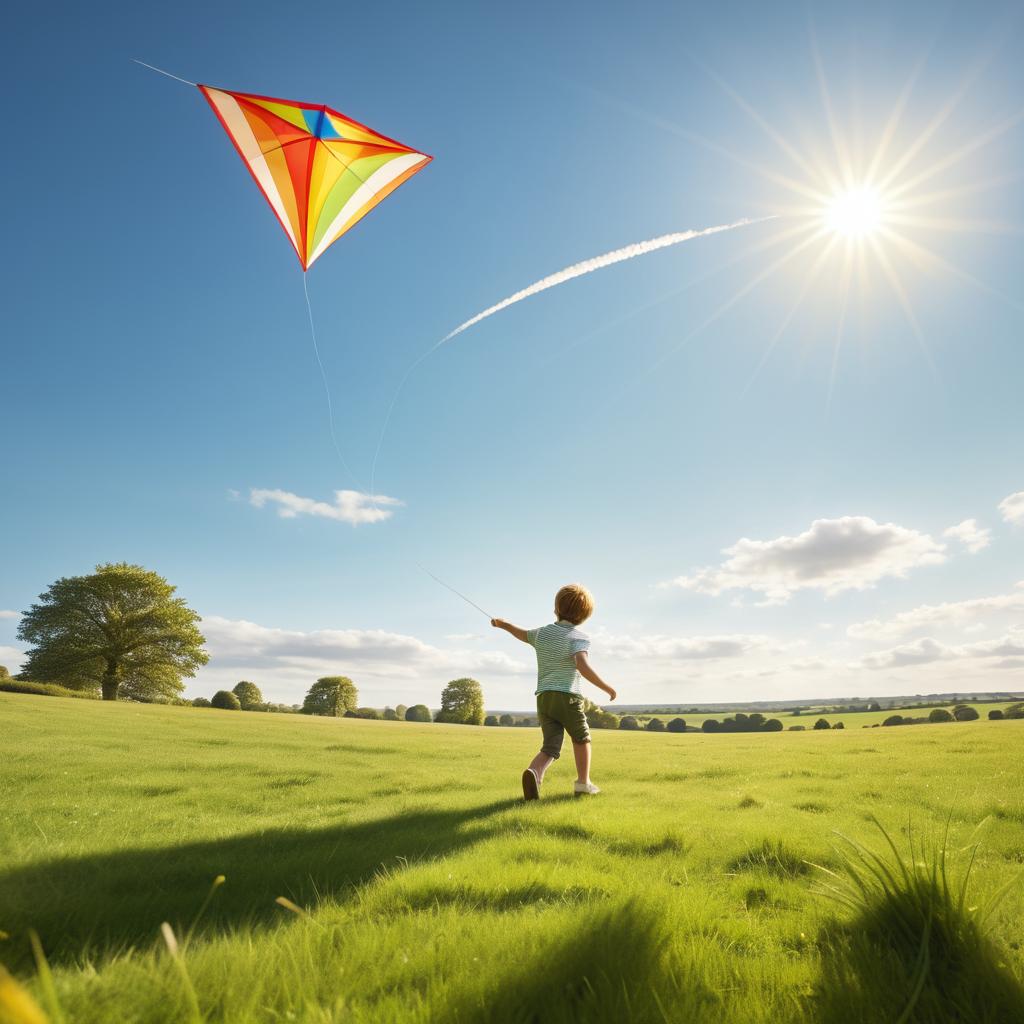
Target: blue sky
(157, 364)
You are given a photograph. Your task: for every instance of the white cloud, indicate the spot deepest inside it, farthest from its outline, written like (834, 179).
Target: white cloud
(920, 652)
(929, 616)
(1012, 508)
(11, 658)
(353, 507)
(927, 650)
(678, 648)
(833, 555)
(973, 537)
(10, 615)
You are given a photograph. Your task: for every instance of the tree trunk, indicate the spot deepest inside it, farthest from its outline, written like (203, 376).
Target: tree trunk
(110, 681)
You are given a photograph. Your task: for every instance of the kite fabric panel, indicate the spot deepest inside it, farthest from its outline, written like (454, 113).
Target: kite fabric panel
(319, 170)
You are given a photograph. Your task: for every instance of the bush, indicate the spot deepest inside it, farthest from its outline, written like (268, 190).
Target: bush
(371, 714)
(965, 713)
(1015, 712)
(894, 720)
(995, 715)
(390, 715)
(400, 711)
(839, 725)
(939, 715)
(598, 718)
(506, 720)
(710, 725)
(822, 723)
(774, 725)
(798, 728)
(655, 725)
(491, 720)
(418, 713)
(677, 725)
(331, 696)
(201, 702)
(629, 723)
(462, 703)
(4, 674)
(44, 689)
(226, 701)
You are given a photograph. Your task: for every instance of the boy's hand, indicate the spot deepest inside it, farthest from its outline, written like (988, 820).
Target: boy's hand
(497, 623)
(611, 693)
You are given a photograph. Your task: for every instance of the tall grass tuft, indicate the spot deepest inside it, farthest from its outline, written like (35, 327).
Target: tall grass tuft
(915, 949)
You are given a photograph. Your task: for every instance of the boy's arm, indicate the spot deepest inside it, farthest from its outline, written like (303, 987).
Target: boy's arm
(584, 669)
(519, 634)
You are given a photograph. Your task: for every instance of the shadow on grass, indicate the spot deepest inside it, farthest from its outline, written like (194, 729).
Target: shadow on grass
(95, 905)
(613, 969)
(915, 952)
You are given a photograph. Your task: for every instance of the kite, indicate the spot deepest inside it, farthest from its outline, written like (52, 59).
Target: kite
(320, 171)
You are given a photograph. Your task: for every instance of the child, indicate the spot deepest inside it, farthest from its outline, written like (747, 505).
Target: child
(561, 660)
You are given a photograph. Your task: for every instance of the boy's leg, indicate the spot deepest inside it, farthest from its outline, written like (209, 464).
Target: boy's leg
(581, 751)
(540, 764)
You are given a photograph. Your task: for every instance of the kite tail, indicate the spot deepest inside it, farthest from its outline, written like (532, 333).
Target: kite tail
(327, 389)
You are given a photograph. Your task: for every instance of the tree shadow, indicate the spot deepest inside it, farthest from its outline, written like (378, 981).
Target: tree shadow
(613, 968)
(97, 905)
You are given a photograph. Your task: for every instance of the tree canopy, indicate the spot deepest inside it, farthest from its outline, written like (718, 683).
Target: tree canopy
(418, 713)
(462, 703)
(249, 695)
(331, 696)
(226, 701)
(119, 630)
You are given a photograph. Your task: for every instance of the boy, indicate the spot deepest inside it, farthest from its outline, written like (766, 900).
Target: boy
(561, 660)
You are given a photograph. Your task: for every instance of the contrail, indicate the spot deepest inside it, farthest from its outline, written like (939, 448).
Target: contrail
(597, 263)
(576, 270)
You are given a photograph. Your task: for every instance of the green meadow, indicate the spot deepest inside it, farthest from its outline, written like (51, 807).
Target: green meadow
(386, 871)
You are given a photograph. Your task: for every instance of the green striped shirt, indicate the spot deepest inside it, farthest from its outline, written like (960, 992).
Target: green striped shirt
(557, 646)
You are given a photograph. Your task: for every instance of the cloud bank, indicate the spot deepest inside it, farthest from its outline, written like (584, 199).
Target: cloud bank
(957, 614)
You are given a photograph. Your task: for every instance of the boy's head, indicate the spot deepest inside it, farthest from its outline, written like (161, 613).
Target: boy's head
(574, 603)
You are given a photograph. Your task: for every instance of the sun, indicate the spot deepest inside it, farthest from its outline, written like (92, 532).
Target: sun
(855, 212)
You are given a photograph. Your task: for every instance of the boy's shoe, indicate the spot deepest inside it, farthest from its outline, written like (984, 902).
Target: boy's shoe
(531, 785)
(585, 789)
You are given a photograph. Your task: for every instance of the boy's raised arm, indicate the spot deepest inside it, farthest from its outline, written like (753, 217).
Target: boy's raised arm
(519, 634)
(583, 666)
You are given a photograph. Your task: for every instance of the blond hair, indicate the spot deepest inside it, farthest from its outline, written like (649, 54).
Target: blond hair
(574, 603)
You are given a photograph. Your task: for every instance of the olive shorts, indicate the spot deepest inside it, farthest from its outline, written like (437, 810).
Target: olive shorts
(559, 713)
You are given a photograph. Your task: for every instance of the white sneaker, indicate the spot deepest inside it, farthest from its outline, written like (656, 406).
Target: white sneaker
(585, 789)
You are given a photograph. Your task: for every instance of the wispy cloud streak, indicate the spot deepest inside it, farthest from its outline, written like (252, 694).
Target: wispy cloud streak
(598, 263)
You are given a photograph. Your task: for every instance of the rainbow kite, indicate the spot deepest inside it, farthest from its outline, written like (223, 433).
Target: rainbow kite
(319, 170)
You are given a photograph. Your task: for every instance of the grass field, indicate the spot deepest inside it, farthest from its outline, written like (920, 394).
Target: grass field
(425, 890)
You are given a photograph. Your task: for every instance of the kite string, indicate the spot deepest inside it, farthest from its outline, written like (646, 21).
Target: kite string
(327, 388)
(160, 71)
(457, 593)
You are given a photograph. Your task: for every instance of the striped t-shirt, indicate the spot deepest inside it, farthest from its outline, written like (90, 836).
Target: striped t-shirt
(557, 646)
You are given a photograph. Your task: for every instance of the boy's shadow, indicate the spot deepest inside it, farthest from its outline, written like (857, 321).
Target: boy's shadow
(106, 902)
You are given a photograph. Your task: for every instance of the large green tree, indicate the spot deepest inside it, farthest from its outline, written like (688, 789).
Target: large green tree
(120, 630)
(331, 696)
(462, 703)
(249, 695)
